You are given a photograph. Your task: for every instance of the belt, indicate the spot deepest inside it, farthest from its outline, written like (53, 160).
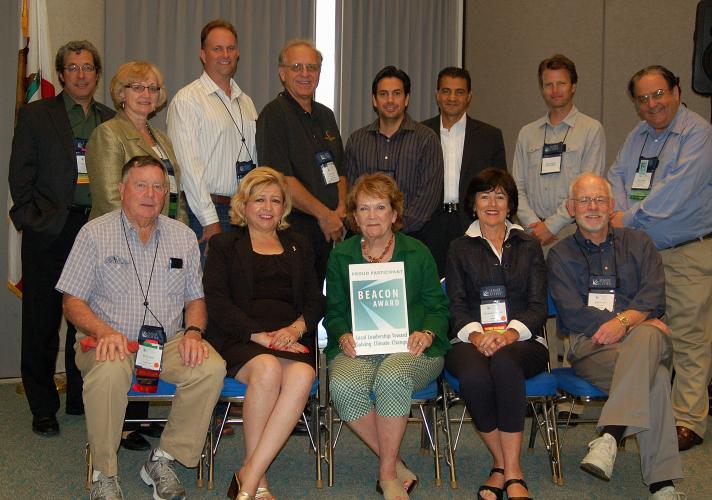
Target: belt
(450, 208)
(694, 240)
(219, 199)
(80, 209)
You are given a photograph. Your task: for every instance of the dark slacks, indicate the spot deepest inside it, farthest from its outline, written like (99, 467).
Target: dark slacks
(438, 232)
(42, 263)
(493, 388)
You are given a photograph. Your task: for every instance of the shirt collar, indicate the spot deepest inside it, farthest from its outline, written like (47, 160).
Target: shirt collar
(590, 245)
(676, 126)
(569, 119)
(70, 103)
(407, 124)
(474, 230)
(211, 87)
(457, 127)
(131, 229)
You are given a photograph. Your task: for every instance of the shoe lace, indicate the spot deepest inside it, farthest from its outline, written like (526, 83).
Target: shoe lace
(107, 487)
(162, 468)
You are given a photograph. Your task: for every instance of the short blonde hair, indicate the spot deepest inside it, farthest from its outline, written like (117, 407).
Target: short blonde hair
(378, 185)
(255, 181)
(132, 72)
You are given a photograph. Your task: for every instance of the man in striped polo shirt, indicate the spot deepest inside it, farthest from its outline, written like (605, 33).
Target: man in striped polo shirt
(398, 146)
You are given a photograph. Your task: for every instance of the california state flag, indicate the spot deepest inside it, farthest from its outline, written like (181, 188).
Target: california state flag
(36, 80)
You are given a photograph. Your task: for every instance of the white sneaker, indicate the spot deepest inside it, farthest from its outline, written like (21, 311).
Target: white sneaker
(600, 457)
(667, 493)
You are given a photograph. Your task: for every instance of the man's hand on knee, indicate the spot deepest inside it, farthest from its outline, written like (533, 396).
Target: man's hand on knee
(193, 349)
(110, 345)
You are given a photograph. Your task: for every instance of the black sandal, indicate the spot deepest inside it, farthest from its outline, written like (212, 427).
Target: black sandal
(510, 482)
(498, 492)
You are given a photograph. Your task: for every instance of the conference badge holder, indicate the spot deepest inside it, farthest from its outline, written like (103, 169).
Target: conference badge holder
(551, 158)
(493, 309)
(325, 161)
(602, 292)
(643, 180)
(149, 358)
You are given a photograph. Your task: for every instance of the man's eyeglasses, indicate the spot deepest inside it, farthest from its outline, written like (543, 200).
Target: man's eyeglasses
(86, 68)
(299, 67)
(139, 88)
(655, 96)
(142, 187)
(586, 200)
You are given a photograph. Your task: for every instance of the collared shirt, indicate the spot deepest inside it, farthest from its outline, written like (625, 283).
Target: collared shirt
(412, 156)
(627, 253)
(463, 334)
(210, 133)
(678, 208)
(543, 197)
(100, 271)
(83, 124)
(452, 142)
(288, 139)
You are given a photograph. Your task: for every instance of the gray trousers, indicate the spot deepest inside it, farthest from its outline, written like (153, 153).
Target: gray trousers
(636, 375)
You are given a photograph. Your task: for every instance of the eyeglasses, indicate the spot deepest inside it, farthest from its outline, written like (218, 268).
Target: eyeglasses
(139, 88)
(299, 67)
(586, 200)
(655, 96)
(142, 187)
(86, 68)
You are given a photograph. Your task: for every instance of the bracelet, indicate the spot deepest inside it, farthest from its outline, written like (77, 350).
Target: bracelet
(299, 333)
(624, 321)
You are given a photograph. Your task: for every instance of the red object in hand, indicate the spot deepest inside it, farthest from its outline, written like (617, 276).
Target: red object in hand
(89, 343)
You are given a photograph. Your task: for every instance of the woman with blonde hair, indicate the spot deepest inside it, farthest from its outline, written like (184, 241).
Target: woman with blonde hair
(264, 304)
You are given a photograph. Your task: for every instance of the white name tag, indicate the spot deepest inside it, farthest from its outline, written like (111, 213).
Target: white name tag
(601, 300)
(329, 172)
(642, 180)
(551, 165)
(149, 356)
(81, 164)
(493, 313)
(173, 184)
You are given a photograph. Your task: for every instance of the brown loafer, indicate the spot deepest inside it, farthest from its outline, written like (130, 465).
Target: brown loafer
(687, 438)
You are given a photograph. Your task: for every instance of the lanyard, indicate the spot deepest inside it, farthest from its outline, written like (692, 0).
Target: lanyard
(659, 152)
(150, 277)
(238, 127)
(588, 264)
(546, 126)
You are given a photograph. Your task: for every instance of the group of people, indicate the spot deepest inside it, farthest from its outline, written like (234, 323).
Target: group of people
(119, 219)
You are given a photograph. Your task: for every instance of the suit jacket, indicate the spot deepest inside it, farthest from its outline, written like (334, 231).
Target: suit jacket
(43, 166)
(111, 145)
(229, 279)
(484, 147)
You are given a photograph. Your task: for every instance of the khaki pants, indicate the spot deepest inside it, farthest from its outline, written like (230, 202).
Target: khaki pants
(688, 290)
(106, 384)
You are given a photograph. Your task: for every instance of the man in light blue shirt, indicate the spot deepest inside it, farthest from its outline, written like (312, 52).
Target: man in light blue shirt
(662, 183)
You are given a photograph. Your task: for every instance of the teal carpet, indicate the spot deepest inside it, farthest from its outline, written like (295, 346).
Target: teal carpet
(33, 467)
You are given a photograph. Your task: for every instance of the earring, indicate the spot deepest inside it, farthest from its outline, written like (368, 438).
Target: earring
(123, 103)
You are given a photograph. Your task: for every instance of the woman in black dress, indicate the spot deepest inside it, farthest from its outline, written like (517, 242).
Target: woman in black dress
(263, 303)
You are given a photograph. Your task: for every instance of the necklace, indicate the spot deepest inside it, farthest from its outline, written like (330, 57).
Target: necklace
(374, 260)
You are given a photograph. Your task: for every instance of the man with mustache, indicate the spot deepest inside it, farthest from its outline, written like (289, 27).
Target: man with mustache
(662, 183)
(609, 288)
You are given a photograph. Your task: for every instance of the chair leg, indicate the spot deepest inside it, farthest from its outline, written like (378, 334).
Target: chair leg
(330, 443)
(212, 450)
(90, 466)
(535, 423)
(436, 443)
(448, 439)
(315, 425)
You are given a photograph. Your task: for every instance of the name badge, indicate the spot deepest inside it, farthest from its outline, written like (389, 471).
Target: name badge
(80, 151)
(493, 308)
(602, 292)
(242, 168)
(551, 158)
(325, 161)
(151, 340)
(643, 180)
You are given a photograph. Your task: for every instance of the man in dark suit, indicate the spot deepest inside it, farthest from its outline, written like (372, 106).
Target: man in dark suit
(50, 192)
(469, 146)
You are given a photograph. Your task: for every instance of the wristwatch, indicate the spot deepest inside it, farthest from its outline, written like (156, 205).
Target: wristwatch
(623, 320)
(196, 329)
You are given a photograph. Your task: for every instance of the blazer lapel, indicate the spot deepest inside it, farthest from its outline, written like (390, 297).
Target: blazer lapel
(133, 135)
(60, 122)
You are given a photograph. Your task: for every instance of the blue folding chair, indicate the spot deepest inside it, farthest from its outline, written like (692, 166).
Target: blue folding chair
(233, 393)
(425, 401)
(540, 393)
(164, 394)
